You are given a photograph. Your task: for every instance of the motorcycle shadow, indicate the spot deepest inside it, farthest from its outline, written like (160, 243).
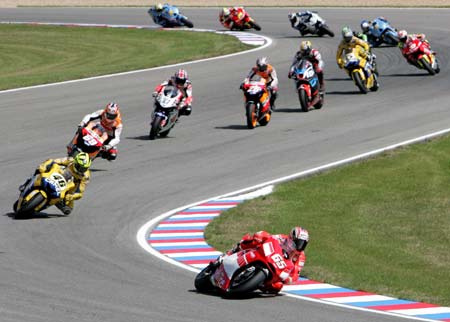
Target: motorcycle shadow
(39, 215)
(232, 127)
(247, 296)
(408, 75)
(357, 92)
(296, 109)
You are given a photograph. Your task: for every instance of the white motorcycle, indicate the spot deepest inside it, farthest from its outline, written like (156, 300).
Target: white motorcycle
(309, 22)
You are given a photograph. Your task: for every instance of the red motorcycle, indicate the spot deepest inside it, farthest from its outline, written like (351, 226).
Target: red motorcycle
(241, 20)
(244, 271)
(88, 139)
(307, 83)
(416, 54)
(257, 102)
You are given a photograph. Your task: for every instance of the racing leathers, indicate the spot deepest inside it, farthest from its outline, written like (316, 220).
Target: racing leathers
(315, 58)
(185, 107)
(270, 75)
(300, 20)
(233, 20)
(159, 17)
(113, 129)
(403, 45)
(295, 260)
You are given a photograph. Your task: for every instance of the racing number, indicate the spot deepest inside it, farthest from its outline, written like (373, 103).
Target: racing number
(279, 261)
(89, 140)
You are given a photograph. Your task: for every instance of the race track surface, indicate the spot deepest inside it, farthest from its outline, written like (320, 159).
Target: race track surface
(89, 267)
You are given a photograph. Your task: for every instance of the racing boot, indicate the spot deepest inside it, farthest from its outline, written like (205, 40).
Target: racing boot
(65, 209)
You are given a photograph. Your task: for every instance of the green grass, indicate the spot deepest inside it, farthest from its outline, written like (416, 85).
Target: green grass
(380, 225)
(32, 55)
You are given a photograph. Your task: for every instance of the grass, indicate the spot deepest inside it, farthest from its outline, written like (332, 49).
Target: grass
(32, 55)
(380, 225)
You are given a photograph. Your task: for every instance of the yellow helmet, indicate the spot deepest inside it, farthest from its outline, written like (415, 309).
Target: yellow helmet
(305, 47)
(225, 12)
(81, 163)
(159, 7)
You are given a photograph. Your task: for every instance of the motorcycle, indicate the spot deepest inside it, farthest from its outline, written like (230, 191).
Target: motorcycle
(360, 72)
(89, 139)
(43, 190)
(307, 84)
(315, 25)
(242, 21)
(415, 54)
(244, 271)
(382, 32)
(165, 113)
(170, 17)
(257, 102)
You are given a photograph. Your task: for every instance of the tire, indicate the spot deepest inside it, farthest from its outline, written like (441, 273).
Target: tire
(327, 31)
(255, 25)
(187, 23)
(302, 97)
(437, 69)
(154, 131)
(265, 120)
(375, 86)
(202, 281)
(247, 281)
(250, 110)
(359, 83)
(28, 208)
(427, 66)
(164, 134)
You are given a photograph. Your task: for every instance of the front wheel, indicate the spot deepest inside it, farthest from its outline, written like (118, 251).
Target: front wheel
(303, 98)
(187, 22)
(327, 31)
(426, 65)
(359, 82)
(156, 127)
(250, 111)
(255, 25)
(28, 208)
(248, 280)
(202, 281)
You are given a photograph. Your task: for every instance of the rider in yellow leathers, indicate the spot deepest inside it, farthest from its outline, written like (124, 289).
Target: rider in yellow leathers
(350, 42)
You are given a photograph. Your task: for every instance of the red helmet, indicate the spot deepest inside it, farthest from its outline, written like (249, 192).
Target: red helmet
(300, 236)
(180, 77)
(111, 111)
(402, 35)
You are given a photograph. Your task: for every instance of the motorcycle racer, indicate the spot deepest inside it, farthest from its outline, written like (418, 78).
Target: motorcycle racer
(181, 81)
(75, 169)
(302, 17)
(293, 246)
(405, 40)
(268, 72)
(350, 42)
(110, 119)
(229, 17)
(157, 13)
(313, 55)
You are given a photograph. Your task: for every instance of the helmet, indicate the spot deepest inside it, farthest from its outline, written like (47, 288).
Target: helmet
(111, 111)
(261, 63)
(300, 236)
(365, 25)
(225, 12)
(81, 163)
(180, 77)
(402, 35)
(347, 34)
(291, 15)
(159, 7)
(305, 47)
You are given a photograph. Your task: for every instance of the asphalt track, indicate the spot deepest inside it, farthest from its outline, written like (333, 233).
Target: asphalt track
(88, 266)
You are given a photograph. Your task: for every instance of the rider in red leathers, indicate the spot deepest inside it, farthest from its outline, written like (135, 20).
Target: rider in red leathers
(182, 82)
(293, 246)
(404, 40)
(233, 18)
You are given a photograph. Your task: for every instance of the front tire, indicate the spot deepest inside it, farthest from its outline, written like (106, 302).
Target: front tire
(327, 31)
(303, 98)
(255, 25)
(202, 281)
(156, 127)
(247, 281)
(250, 110)
(187, 22)
(29, 207)
(265, 120)
(426, 65)
(359, 82)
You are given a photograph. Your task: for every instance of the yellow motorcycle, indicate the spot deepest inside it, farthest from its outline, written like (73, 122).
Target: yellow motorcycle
(43, 190)
(360, 71)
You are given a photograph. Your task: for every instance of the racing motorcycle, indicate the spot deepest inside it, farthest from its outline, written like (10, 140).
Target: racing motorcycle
(357, 68)
(314, 24)
(415, 54)
(307, 84)
(244, 271)
(165, 113)
(89, 139)
(170, 17)
(43, 190)
(382, 32)
(242, 21)
(257, 102)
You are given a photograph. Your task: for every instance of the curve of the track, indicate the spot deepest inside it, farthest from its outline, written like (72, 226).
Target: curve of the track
(88, 266)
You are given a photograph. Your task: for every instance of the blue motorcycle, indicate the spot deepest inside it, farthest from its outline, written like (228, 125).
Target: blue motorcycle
(382, 32)
(169, 16)
(307, 84)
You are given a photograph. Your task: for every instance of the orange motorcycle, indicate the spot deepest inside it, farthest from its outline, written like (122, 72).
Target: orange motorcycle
(89, 139)
(257, 102)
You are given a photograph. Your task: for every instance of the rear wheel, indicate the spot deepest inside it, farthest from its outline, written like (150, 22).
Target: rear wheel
(427, 66)
(251, 115)
(28, 208)
(303, 98)
(391, 39)
(265, 120)
(248, 280)
(359, 82)
(375, 86)
(156, 127)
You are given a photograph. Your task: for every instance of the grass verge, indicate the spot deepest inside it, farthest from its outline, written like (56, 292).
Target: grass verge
(380, 225)
(32, 55)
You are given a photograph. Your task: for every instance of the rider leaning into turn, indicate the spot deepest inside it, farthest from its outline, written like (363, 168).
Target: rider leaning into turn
(77, 170)
(228, 15)
(182, 82)
(404, 40)
(293, 246)
(350, 42)
(110, 119)
(313, 55)
(156, 12)
(300, 17)
(268, 72)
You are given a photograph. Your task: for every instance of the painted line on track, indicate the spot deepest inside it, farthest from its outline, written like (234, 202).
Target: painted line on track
(177, 237)
(245, 37)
